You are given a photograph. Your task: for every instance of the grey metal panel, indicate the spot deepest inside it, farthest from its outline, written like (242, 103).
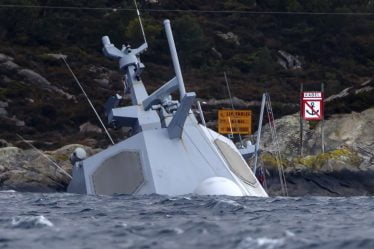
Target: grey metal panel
(78, 184)
(236, 163)
(134, 143)
(159, 94)
(176, 125)
(119, 174)
(183, 163)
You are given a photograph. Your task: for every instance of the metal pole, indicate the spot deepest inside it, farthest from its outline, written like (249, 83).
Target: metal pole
(201, 113)
(259, 131)
(232, 134)
(174, 57)
(301, 121)
(323, 121)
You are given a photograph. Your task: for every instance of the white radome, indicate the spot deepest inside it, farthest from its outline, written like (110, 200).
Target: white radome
(80, 153)
(218, 186)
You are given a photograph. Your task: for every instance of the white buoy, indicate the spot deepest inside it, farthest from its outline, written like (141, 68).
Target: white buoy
(218, 186)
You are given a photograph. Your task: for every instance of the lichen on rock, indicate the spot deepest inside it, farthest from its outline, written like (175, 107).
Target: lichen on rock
(28, 170)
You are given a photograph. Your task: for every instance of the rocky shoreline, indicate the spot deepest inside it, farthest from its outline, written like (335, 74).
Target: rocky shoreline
(345, 169)
(28, 171)
(337, 183)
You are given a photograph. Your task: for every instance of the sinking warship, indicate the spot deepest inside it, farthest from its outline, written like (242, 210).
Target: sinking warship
(169, 152)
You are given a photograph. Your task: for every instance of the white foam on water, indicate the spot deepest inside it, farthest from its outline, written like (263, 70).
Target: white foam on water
(31, 221)
(178, 230)
(261, 243)
(288, 233)
(228, 203)
(8, 191)
(269, 243)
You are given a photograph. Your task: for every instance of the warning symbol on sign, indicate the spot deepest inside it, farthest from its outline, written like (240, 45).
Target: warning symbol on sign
(312, 108)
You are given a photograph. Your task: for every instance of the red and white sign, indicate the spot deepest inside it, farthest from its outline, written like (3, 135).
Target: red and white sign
(312, 105)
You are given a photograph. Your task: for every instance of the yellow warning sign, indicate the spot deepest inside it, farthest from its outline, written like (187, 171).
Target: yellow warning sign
(235, 122)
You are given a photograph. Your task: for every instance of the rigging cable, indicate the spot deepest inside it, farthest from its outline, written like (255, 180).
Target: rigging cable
(140, 22)
(232, 107)
(88, 99)
(45, 156)
(245, 12)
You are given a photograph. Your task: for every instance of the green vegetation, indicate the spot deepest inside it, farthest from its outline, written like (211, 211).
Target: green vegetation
(335, 49)
(342, 156)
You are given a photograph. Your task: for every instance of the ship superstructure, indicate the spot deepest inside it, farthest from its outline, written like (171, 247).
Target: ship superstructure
(169, 152)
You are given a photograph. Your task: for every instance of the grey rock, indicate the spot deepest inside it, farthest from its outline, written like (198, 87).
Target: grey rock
(4, 58)
(342, 94)
(337, 183)
(4, 143)
(366, 86)
(349, 134)
(236, 101)
(217, 53)
(27, 170)
(102, 82)
(5, 79)
(364, 89)
(67, 95)
(88, 127)
(3, 104)
(38, 80)
(289, 61)
(10, 66)
(367, 82)
(3, 112)
(20, 123)
(34, 78)
(58, 56)
(90, 142)
(229, 36)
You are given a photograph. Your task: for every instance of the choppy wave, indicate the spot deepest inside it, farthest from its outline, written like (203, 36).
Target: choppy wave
(8, 191)
(31, 222)
(78, 221)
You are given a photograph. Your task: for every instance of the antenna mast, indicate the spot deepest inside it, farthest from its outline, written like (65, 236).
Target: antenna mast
(140, 22)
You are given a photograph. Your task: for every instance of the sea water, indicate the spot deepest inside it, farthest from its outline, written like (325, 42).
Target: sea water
(60, 220)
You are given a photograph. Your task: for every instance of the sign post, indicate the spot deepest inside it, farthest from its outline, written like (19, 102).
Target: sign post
(312, 109)
(312, 106)
(323, 123)
(301, 121)
(235, 122)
